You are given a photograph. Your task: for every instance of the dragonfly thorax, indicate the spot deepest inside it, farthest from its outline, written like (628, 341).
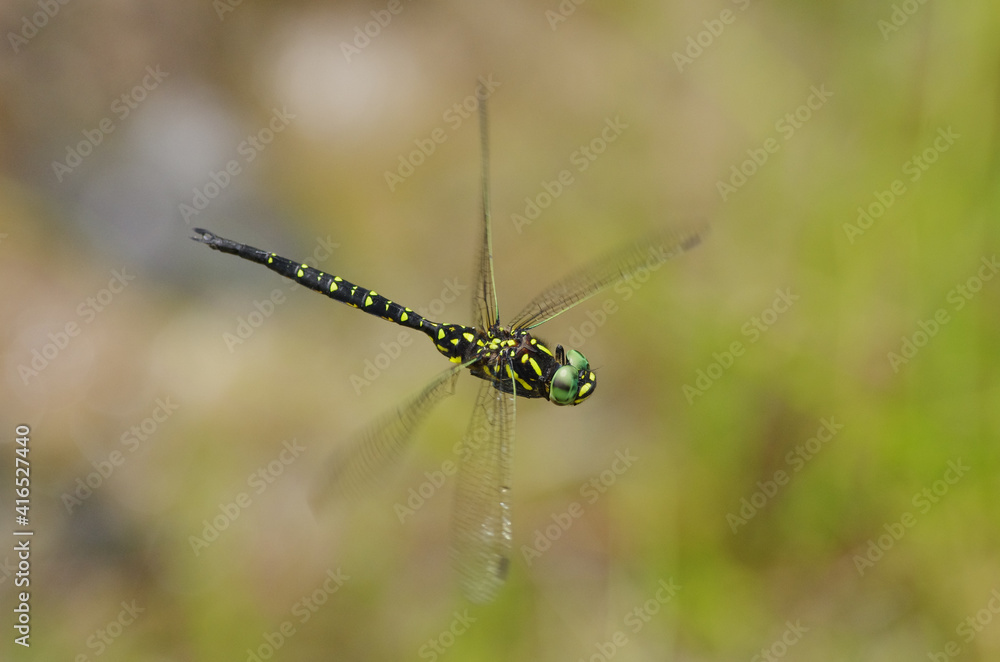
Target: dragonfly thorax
(518, 363)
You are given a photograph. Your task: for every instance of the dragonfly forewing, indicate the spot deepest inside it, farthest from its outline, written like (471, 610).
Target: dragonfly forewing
(485, 310)
(611, 268)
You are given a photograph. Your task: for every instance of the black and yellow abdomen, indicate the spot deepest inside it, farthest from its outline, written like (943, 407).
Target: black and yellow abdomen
(332, 286)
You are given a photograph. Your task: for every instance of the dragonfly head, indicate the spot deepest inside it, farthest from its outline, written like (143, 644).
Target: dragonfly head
(573, 381)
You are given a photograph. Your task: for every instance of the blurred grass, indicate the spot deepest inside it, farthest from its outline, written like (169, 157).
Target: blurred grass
(796, 559)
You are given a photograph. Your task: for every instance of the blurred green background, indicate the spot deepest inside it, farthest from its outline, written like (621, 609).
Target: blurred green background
(846, 155)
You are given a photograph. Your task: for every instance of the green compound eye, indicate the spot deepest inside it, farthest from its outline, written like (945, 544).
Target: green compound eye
(578, 360)
(562, 391)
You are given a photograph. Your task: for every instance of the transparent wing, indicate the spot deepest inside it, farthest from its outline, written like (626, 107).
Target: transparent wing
(356, 470)
(481, 529)
(619, 265)
(485, 312)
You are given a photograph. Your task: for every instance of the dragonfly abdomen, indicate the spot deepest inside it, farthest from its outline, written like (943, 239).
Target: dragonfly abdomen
(332, 286)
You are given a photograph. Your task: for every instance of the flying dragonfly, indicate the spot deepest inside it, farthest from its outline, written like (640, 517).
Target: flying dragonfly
(511, 361)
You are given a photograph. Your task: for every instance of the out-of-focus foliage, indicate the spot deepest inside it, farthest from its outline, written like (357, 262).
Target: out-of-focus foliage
(793, 448)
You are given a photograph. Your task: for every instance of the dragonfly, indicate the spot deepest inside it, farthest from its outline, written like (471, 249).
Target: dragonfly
(509, 359)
